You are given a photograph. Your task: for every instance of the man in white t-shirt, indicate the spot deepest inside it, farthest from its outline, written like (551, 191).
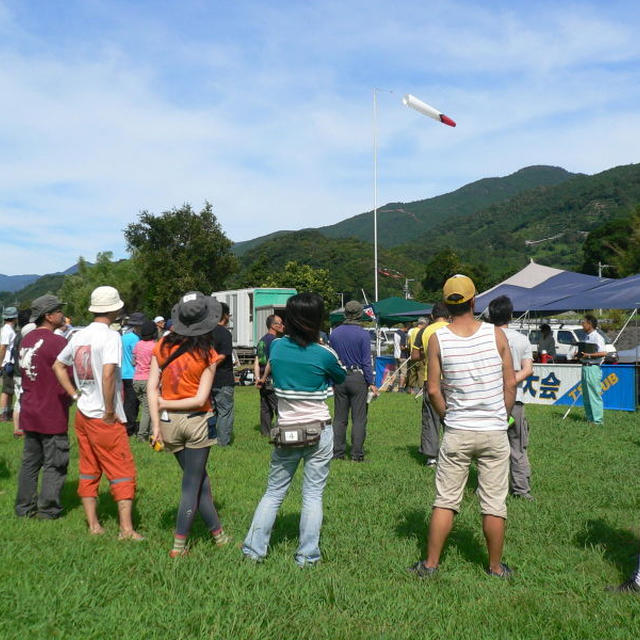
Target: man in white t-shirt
(500, 313)
(96, 355)
(7, 336)
(591, 372)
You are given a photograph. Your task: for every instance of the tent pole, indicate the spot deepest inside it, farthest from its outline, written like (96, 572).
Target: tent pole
(624, 326)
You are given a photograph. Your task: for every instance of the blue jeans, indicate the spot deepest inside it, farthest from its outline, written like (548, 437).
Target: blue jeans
(284, 463)
(223, 398)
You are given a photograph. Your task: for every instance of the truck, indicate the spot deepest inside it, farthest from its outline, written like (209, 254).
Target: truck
(249, 309)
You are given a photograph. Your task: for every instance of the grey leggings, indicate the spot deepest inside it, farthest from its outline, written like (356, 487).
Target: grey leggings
(196, 491)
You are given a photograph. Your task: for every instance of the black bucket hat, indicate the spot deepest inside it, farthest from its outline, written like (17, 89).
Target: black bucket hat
(195, 314)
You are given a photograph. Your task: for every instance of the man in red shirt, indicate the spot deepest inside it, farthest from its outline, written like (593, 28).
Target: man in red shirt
(44, 414)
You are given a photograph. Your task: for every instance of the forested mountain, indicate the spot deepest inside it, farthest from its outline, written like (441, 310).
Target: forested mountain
(399, 222)
(546, 223)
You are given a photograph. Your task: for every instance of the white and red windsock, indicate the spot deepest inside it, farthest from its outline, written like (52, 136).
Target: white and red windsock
(427, 109)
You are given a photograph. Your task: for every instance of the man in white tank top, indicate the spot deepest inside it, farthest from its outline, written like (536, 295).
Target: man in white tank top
(474, 398)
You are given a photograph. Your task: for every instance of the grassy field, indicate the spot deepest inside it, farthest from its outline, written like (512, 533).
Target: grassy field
(580, 535)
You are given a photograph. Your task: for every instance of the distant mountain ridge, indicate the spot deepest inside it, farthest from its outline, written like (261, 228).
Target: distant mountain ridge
(13, 284)
(400, 222)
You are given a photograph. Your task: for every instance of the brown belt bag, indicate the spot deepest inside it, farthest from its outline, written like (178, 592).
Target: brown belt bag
(297, 435)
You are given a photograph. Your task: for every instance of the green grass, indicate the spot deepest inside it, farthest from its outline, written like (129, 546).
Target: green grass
(580, 535)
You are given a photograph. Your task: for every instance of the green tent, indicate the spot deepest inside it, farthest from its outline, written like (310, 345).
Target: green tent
(390, 311)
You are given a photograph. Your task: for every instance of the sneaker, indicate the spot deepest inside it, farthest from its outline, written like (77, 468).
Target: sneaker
(431, 462)
(221, 539)
(178, 553)
(523, 496)
(505, 572)
(423, 571)
(338, 457)
(630, 586)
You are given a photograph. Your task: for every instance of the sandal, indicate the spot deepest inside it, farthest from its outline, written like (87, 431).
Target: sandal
(130, 535)
(505, 572)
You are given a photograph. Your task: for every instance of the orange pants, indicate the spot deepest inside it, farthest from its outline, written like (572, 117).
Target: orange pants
(104, 448)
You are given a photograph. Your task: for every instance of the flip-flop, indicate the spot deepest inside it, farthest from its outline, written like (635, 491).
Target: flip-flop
(505, 574)
(131, 535)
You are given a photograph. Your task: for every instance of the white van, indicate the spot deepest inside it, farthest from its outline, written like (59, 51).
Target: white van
(566, 337)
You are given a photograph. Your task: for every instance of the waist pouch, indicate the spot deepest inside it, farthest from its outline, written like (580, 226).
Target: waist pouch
(297, 435)
(9, 369)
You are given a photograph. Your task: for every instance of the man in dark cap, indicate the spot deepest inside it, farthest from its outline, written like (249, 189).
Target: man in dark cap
(44, 414)
(351, 343)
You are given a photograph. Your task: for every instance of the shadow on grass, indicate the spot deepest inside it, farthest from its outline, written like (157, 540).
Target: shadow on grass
(414, 526)
(620, 546)
(4, 468)
(69, 496)
(414, 452)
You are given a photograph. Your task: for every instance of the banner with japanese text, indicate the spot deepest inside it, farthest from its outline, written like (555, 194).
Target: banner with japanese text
(561, 384)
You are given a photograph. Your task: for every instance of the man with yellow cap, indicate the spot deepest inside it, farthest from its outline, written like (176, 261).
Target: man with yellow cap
(474, 399)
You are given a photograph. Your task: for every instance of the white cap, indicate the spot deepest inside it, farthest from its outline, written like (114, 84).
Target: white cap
(158, 319)
(105, 299)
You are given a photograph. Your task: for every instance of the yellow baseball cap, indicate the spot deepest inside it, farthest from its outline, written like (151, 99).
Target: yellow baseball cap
(458, 289)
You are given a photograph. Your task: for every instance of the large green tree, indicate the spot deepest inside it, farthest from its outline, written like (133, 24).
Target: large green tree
(179, 251)
(76, 289)
(447, 263)
(304, 278)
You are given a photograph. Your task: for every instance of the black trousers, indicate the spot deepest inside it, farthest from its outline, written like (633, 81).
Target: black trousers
(351, 394)
(268, 409)
(131, 406)
(51, 454)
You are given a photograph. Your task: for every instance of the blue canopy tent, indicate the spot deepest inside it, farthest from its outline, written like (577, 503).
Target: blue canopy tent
(611, 294)
(537, 288)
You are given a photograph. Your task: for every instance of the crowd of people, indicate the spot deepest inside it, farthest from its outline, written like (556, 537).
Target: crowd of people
(180, 374)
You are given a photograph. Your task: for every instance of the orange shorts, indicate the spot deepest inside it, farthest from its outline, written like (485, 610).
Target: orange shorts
(104, 448)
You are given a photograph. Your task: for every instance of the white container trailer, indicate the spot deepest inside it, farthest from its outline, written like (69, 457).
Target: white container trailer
(249, 309)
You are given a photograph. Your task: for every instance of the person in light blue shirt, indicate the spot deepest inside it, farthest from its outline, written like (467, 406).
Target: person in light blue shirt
(302, 372)
(130, 400)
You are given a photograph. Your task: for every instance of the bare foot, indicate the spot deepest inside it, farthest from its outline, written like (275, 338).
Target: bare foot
(130, 535)
(96, 530)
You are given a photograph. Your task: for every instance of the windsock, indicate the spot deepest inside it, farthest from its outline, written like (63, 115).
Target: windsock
(427, 109)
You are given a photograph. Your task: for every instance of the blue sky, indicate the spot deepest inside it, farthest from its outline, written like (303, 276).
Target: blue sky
(265, 109)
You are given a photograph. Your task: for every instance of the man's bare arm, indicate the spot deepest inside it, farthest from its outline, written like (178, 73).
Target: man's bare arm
(416, 354)
(434, 385)
(508, 376)
(109, 392)
(525, 371)
(3, 350)
(62, 374)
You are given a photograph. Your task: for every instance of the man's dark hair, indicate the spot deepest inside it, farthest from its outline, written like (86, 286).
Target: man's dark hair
(545, 328)
(591, 319)
(304, 318)
(500, 310)
(23, 317)
(459, 309)
(270, 320)
(439, 311)
(225, 308)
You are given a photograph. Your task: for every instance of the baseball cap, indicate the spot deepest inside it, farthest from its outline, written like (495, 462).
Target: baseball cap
(44, 304)
(158, 319)
(105, 299)
(458, 289)
(136, 319)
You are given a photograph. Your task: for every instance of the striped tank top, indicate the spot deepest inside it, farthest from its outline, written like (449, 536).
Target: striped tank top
(472, 380)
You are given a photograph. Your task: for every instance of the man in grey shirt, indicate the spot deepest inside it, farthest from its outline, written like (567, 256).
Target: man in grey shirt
(500, 313)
